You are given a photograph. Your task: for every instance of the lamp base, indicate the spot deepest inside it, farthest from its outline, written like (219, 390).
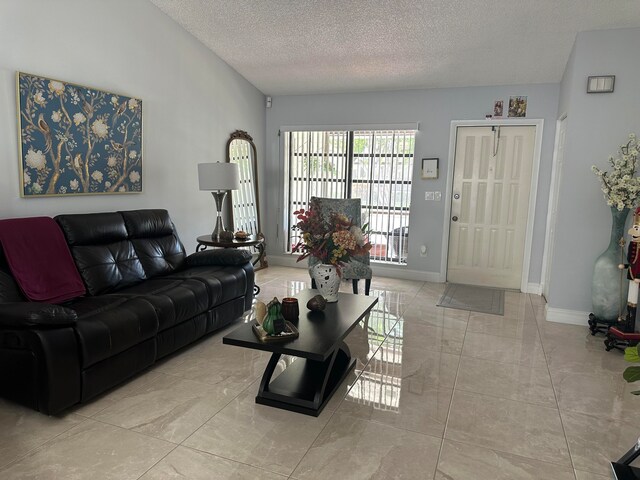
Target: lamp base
(219, 228)
(219, 197)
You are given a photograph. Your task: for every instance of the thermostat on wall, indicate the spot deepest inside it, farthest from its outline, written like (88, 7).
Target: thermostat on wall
(430, 168)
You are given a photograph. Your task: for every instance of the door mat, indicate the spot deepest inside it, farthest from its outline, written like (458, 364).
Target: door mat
(473, 298)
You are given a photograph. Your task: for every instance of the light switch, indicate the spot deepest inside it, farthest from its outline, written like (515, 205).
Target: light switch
(429, 196)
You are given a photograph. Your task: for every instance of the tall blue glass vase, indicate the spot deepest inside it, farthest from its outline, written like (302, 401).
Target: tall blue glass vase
(609, 287)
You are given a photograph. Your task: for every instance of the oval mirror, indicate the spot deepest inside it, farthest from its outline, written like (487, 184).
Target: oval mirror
(245, 207)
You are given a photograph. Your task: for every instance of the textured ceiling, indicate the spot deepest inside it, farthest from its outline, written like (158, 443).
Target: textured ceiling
(316, 46)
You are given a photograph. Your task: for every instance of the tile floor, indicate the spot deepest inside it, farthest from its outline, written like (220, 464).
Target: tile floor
(437, 394)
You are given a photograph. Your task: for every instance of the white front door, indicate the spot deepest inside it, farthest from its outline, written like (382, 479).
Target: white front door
(489, 208)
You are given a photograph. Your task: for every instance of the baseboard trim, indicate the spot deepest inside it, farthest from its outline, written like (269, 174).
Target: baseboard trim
(401, 273)
(286, 261)
(561, 315)
(534, 289)
(379, 270)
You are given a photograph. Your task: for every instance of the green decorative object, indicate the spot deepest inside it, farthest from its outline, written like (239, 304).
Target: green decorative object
(609, 289)
(274, 322)
(632, 374)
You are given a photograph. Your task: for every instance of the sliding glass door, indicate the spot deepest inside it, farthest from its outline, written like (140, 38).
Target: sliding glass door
(373, 165)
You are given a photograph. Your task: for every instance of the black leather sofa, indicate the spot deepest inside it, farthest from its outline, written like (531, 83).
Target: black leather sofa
(145, 299)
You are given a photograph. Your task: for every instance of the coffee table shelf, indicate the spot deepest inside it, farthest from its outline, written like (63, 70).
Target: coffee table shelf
(307, 384)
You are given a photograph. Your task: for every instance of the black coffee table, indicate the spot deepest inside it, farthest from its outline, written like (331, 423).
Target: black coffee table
(307, 384)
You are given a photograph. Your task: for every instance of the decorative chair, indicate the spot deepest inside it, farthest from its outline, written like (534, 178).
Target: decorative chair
(358, 267)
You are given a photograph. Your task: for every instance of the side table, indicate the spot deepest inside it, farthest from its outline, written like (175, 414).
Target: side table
(255, 241)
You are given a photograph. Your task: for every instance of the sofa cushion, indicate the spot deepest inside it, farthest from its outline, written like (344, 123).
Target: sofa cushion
(159, 256)
(110, 324)
(155, 240)
(223, 283)
(105, 258)
(92, 228)
(147, 223)
(107, 268)
(175, 300)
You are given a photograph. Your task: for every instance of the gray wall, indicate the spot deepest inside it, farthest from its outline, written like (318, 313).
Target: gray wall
(192, 100)
(434, 109)
(596, 125)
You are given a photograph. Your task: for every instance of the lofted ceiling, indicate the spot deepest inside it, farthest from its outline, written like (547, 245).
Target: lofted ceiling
(327, 46)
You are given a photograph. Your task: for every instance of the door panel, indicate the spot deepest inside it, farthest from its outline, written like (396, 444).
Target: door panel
(489, 219)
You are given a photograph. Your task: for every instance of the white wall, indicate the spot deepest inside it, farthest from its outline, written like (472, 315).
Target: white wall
(192, 100)
(596, 125)
(434, 109)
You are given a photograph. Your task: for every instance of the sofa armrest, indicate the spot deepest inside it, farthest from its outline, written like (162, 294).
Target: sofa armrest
(35, 314)
(222, 257)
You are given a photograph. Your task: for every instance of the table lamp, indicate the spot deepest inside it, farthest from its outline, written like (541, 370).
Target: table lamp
(218, 178)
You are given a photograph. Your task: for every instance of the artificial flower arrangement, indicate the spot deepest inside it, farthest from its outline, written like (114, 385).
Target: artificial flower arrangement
(333, 242)
(621, 187)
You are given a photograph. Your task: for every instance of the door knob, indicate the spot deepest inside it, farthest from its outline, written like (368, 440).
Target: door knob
(454, 218)
(456, 196)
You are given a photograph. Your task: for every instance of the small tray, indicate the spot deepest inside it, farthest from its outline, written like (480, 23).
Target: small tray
(290, 333)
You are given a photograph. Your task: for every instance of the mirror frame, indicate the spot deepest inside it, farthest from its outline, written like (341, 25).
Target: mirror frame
(242, 135)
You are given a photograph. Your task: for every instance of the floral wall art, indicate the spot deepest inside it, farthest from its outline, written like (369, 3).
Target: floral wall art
(77, 140)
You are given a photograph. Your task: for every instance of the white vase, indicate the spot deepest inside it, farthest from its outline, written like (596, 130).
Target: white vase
(327, 281)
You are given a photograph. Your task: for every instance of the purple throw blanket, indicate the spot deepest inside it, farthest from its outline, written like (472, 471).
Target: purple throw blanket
(40, 260)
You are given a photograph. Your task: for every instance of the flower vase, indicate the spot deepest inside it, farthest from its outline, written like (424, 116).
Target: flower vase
(327, 281)
(609, 286)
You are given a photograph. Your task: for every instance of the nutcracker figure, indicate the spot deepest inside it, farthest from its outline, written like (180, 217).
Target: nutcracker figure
(633, 274)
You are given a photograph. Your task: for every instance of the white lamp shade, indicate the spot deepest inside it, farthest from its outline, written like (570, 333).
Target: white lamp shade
(218, 176)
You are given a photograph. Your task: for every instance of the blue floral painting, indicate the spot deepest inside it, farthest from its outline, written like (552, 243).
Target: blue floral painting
(77, 140)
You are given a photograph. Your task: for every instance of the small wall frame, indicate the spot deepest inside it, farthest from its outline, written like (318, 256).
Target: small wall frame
(430, 168)
(601, 84)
